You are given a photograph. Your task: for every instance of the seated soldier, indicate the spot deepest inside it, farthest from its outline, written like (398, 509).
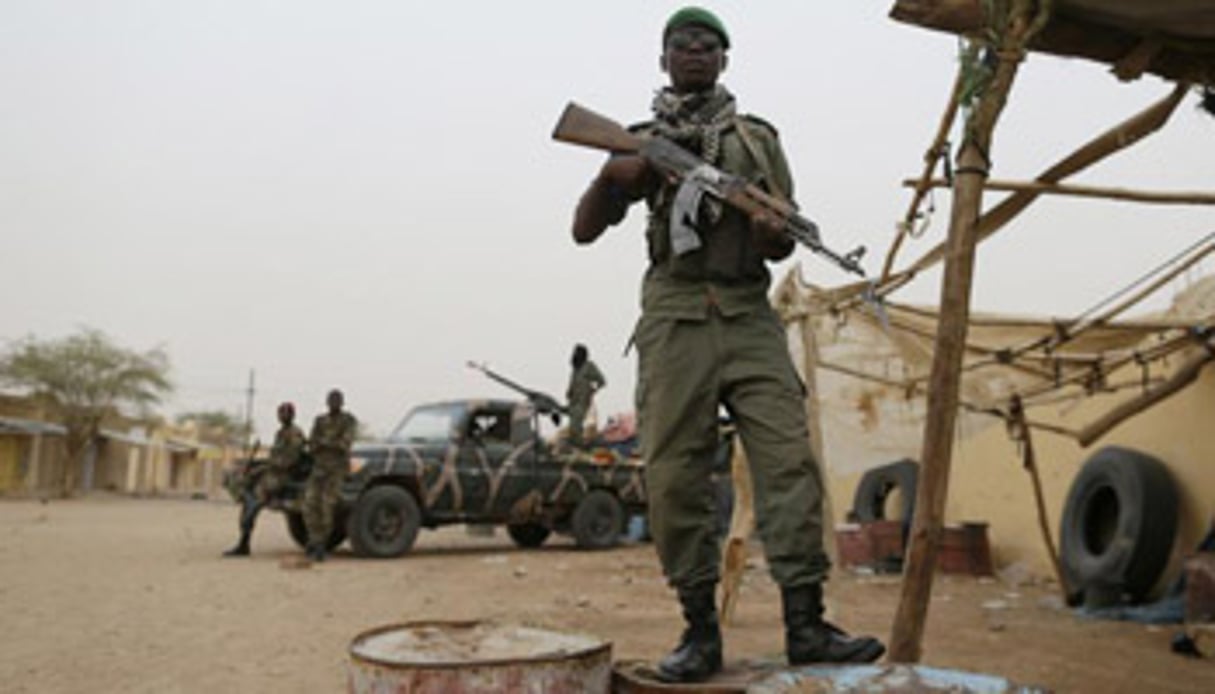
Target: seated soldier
(263, 484)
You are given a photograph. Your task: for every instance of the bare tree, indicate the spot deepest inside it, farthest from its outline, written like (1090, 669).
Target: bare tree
(82, 379)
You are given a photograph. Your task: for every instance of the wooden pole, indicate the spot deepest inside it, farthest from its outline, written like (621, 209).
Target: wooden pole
(1015, 29)
(814, 426)
(1162, 198)
(742, 522)
(1023, 435)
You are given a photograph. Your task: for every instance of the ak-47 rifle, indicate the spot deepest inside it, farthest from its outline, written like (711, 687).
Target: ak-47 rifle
(581, 126)
(543, 402)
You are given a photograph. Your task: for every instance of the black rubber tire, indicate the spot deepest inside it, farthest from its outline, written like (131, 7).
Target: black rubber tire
(384, 523)
(597, 521)
(299, 531)
(869, 502)
(1118, 526)
(528, 535)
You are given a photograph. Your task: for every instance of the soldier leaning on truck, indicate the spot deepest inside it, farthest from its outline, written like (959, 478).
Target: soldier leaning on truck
(708, 337)
(585, 381)
(264, 484)
(330, 441)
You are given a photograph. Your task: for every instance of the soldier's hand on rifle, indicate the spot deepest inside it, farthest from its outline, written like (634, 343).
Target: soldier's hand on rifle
(769, 236)
(629, 174)
(624, 179)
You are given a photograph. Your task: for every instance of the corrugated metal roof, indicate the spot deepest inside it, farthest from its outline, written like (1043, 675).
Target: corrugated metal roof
(29, 427)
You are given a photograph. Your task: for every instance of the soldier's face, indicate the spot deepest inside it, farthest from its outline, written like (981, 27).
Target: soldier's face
(286, 416)
(694, 58)
(334, 401)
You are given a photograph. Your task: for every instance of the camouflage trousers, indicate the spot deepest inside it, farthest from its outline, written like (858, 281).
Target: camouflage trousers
(321, 495)
(577, 415)
(686, 369)
(257, 495)
(268, 484)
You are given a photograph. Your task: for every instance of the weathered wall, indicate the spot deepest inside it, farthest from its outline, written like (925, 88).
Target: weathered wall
(988, 483)
(868, 423)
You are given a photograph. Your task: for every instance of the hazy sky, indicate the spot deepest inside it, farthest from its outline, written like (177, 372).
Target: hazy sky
(364, 194)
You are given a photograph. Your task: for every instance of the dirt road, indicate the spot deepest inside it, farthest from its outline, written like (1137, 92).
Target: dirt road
(123, 595)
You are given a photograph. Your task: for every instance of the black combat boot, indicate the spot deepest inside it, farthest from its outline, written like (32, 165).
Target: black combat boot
(250, 507)
(316, 552)
(809, 639)
(698, 655)
(241, 549)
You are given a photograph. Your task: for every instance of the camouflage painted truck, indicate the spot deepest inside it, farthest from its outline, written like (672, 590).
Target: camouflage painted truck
(478, 462)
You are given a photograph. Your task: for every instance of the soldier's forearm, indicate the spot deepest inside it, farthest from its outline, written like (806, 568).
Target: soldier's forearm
(602, 205)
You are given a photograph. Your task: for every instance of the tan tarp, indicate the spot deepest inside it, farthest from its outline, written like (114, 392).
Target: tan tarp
(871, 380)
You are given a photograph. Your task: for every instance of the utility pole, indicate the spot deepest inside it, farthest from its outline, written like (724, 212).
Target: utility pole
(249, 409)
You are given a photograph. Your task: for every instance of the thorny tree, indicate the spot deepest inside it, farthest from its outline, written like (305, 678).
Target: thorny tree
(81, 379)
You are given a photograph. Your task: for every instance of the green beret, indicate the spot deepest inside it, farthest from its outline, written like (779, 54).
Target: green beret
(696, 15)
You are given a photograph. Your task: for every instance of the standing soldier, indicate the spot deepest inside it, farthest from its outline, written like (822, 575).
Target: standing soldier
(585, 381)
(708, 337)
(265, 483)
(330, 441)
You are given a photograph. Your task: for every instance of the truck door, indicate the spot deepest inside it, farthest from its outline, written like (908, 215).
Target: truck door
(518, 473)
(485, 456)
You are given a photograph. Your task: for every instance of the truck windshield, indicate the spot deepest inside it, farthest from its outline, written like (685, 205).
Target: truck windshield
(430, 424)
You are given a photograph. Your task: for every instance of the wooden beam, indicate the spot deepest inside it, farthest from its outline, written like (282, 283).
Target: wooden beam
(938, 150)
(1113, 140)
(1076, 35)
(742, 522)
(1024, 436)
(953, 16)
(1047, 324)
(1182, 378)
(1079, 376)
(1178, 198)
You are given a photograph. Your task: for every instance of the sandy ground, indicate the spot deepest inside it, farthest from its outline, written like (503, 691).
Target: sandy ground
(122, 595)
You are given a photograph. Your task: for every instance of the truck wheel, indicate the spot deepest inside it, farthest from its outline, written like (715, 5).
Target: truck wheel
(597, 521)
(384, 523)
(1118, 526)
(529, 535)
(299, 531)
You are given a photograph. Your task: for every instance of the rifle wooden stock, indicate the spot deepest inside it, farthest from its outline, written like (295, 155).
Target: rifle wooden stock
(581, 126)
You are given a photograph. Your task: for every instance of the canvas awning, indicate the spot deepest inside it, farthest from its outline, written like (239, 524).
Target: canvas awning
(1174, 39)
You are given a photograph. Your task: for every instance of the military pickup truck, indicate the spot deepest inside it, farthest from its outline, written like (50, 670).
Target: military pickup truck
(478, 462)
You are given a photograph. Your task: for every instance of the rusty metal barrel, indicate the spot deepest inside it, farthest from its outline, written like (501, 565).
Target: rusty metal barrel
(433, 657)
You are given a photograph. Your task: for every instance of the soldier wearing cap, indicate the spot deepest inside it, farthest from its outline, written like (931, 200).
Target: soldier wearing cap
(708, 338)
(330, 441)
(265, 483)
